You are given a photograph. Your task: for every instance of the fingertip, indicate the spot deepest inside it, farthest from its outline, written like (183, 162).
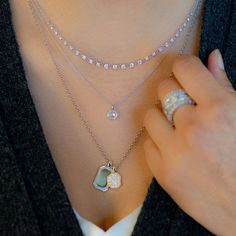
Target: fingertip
(219, 59)
(211, 62)
(215, 62)
(216, 67)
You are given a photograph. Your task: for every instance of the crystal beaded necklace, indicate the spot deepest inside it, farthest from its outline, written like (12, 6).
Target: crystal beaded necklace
(101, 63)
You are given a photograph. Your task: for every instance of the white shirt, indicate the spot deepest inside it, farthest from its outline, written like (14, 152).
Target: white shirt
(123, 227)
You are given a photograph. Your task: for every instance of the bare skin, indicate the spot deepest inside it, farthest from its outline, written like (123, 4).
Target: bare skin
(135, 29)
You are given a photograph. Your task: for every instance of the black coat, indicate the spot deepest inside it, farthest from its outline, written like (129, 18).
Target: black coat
(33, 200)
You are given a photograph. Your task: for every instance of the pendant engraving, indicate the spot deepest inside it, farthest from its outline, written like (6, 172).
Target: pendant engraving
(106, 178)
(113, 114)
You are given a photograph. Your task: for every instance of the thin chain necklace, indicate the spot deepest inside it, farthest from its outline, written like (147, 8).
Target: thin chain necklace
(101, 63)
(113, 113)
(107, 176)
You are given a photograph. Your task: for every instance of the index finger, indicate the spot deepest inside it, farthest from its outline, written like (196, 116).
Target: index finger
(196, 79)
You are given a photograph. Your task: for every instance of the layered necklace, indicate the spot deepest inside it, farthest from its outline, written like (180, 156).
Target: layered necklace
(107, 176)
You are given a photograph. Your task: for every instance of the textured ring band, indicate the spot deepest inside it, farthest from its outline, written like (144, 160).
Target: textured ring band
(173, 100)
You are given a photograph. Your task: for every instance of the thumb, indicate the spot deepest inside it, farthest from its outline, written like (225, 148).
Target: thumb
(216, 66)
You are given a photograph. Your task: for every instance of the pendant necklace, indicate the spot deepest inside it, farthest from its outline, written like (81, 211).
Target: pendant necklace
(114, 112)
(107, 176)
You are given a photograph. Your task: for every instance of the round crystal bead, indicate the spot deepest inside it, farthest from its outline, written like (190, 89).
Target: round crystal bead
(131, 65)
(123, 66)
(106, 66)
(114, 67)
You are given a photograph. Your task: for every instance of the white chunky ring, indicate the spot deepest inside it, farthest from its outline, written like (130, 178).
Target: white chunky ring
(173, 100)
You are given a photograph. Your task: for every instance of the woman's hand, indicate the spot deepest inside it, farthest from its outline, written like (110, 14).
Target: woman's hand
(195, 161)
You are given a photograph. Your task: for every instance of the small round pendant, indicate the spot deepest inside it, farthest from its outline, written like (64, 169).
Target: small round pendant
(114, 180)
(113, 114)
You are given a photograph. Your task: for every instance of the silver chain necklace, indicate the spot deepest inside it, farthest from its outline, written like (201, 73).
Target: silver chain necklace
(100, 63)
(107, 176)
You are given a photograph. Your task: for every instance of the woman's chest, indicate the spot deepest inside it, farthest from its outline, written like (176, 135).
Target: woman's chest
(78, 133)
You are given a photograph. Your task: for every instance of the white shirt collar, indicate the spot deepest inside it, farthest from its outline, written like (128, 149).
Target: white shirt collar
(123, 227)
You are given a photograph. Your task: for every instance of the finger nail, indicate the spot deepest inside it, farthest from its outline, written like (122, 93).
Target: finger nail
(220, 61)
